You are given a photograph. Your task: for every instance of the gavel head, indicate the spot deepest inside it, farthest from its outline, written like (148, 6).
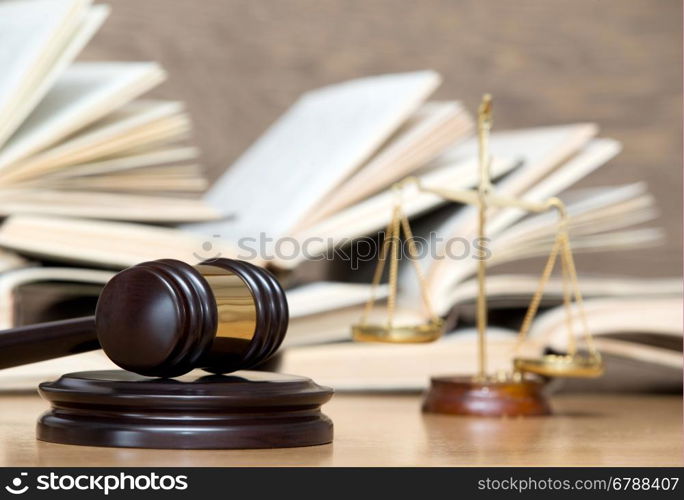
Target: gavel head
(165, 317)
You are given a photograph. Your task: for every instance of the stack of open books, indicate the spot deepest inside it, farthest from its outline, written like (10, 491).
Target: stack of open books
(97, 179)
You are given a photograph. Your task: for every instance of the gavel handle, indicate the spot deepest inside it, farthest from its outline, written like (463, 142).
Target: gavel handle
(31, 343)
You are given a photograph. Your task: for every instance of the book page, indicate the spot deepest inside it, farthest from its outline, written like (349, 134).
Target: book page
(426, 134)
(592, 223)
(138, 158)
(10, 260)
(644, 353)
(84, 93)
(62, 53)
(134, 125)
(157, 180)
(541, 150)
(100, 205)
(446, 273)
(325, 136)
(586, 207)
(594, 155)
(324, 296)
(383, 366)
(373, 214)
(107, 243)
(32, 34)
(625, 315)
(335, 325)
(519, 288)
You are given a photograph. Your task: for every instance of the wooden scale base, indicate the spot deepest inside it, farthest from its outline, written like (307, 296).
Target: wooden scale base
(467, 396)
(246, 409)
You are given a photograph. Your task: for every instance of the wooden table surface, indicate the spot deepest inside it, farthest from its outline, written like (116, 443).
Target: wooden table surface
(389, 430)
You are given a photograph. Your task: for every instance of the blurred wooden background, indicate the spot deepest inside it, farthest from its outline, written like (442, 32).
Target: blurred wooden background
(240, 63)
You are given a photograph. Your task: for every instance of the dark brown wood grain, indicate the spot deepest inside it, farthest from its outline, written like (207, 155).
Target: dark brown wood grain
(243, 410)
(49, 340)
(465, 396)
(240, 63)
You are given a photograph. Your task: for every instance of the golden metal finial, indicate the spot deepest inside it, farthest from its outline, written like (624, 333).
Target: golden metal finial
(484, 112)
(484, 124)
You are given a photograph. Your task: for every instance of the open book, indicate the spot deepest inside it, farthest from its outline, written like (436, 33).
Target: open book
(568, 154)
(333, 139)
(83, 161)
(644, 331)
(75, 139)
(533, 163)
(93, 175)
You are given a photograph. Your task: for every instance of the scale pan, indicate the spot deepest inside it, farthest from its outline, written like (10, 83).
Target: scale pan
(406, 334)
(562, 365)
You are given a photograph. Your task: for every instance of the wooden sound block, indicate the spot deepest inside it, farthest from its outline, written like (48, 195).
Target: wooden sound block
(246, 409)
(465, 396)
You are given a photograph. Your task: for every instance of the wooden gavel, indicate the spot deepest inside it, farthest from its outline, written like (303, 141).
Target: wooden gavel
(163, 318)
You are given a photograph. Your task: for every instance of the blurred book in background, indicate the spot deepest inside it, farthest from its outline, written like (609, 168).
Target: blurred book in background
(75, 138)
(94, 179)
(639, 335)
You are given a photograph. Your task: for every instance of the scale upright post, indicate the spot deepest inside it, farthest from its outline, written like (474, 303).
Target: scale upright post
(484, 123)
(483, 394)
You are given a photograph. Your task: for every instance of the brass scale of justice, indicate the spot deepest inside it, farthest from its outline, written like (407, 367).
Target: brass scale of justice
(518, 392)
